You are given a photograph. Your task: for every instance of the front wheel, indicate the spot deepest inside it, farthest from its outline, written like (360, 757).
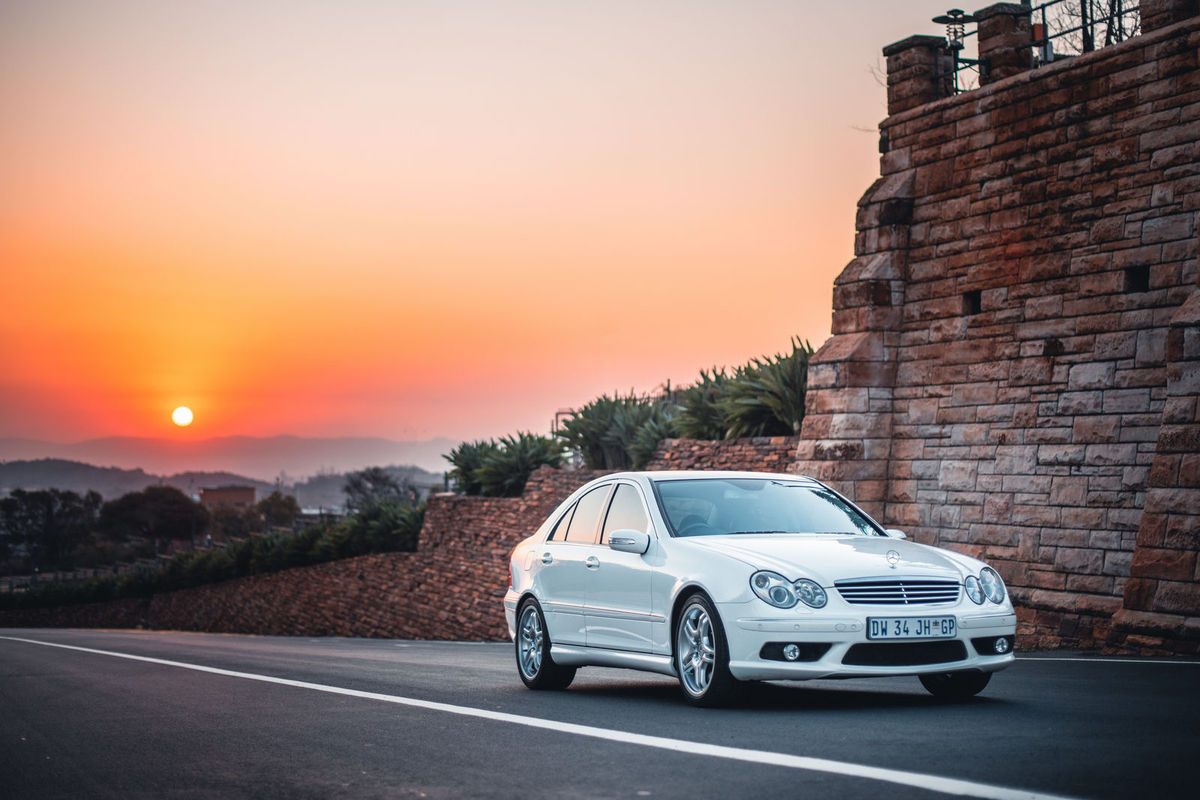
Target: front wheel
(956, 685)
(702, 655)
(538, 670)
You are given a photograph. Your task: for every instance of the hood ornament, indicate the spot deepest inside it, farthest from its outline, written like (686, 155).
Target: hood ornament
(893, 558)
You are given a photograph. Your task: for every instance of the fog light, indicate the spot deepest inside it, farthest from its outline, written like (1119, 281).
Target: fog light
(791, 652)
(1002, 645)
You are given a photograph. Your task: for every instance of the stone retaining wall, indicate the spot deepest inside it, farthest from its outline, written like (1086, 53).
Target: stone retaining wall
(450, 588)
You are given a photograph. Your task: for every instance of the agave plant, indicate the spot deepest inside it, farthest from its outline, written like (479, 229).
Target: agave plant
(619, 432)
(467, 458)
(587, 433)
(505, 469)
(662, 424)
(766, 397)
(700, 413)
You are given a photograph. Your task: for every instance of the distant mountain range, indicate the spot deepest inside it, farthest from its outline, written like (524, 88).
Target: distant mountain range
(320, 491)
(261, 458)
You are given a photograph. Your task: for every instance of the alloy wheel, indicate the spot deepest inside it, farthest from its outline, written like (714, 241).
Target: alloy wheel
(695, 649)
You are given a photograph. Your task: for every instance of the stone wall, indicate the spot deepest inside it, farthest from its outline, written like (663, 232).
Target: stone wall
(450, 588)
(1013, 371)
(760, 453)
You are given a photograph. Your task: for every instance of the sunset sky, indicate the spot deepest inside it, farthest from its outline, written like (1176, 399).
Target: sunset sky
(417, 219)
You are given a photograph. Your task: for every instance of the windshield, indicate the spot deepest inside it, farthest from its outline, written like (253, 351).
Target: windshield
(715, 506)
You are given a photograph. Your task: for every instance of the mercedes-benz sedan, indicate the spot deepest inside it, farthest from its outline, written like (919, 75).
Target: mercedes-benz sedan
(723, 577)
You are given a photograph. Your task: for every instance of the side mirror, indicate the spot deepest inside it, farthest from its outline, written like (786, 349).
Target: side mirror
(895, 533)
(629, 541)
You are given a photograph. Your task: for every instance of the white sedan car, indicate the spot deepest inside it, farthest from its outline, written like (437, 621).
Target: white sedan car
(723, 577)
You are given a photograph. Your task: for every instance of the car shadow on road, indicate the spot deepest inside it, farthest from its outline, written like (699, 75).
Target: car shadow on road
(787, 697)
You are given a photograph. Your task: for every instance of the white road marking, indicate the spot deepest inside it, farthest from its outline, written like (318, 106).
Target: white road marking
(933, 783)
(1110, 660)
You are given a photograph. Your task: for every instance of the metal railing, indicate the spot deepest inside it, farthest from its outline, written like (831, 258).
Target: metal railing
(1066, 28)
(1059, 29)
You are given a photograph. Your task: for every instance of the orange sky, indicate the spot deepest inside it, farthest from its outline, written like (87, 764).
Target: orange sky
(416, 219)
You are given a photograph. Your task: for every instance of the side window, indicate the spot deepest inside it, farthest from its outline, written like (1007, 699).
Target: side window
(625, 511)
(560, 530)
(582, 527)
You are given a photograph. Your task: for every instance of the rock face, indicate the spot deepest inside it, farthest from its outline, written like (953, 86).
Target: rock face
(1016, 351)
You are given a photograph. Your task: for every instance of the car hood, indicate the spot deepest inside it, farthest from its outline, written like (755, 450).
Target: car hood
(827, 558)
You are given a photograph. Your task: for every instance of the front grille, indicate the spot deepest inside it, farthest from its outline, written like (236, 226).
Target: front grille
(904, 654)
(898, 592)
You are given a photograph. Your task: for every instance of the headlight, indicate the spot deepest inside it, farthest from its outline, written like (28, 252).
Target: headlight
(993, 587)
(974, 590)
(810, 593)
(774, 589)
(782, 593)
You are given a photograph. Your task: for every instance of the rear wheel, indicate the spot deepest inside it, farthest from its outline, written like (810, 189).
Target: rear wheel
(956, 685)
(537, 668)
(702, 655)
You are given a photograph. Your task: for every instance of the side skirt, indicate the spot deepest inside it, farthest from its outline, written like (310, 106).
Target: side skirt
(574, 656)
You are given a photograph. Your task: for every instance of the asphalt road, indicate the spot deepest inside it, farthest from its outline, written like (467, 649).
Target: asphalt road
(379, 718)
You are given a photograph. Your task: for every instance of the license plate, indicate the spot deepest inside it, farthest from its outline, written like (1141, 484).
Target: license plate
(911, 627)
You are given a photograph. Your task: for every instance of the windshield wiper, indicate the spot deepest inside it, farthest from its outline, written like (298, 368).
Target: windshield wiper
(750, 533)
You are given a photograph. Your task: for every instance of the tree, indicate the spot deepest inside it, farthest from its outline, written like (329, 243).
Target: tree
(375, 485)
(278, 508)
(158, 513)
(47, 525)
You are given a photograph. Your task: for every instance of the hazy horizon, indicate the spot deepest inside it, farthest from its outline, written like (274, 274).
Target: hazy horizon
(261, 458)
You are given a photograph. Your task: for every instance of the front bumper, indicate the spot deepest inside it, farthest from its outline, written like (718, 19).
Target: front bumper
(747, 635)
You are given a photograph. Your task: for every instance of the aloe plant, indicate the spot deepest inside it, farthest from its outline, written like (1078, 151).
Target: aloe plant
(700, 413)
(506, 469)
(766, 397)
(619, 432)
(467, 458)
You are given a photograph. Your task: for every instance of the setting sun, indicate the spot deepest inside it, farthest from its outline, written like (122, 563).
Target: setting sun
(182, 416)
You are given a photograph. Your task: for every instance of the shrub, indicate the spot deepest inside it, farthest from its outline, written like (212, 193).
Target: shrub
(619, 432)
(387, 527)
(467, 458)
(662, 423)
(766, 397)
(506, 469)
(701, 415)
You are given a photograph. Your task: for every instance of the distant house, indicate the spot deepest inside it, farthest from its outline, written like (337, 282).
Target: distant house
(239, 497)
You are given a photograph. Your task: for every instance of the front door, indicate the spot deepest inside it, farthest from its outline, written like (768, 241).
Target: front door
(619, 615)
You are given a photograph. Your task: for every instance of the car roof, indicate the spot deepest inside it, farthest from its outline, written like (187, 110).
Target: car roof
(693, 474)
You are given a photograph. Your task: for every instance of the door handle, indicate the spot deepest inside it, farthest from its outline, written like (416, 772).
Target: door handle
(591, 562)
(547, 558)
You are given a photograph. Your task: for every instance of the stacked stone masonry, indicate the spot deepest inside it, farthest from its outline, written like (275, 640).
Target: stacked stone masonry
(1016, 355)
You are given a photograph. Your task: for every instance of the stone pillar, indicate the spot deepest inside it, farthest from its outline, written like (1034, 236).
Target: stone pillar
(846, 436)
(1005, 46)
(1162, 596)
(911, 66)
(1161, 13)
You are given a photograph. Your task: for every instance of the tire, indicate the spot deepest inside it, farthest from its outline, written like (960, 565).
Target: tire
(702, 655)
(956, 685)
(532, 646)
